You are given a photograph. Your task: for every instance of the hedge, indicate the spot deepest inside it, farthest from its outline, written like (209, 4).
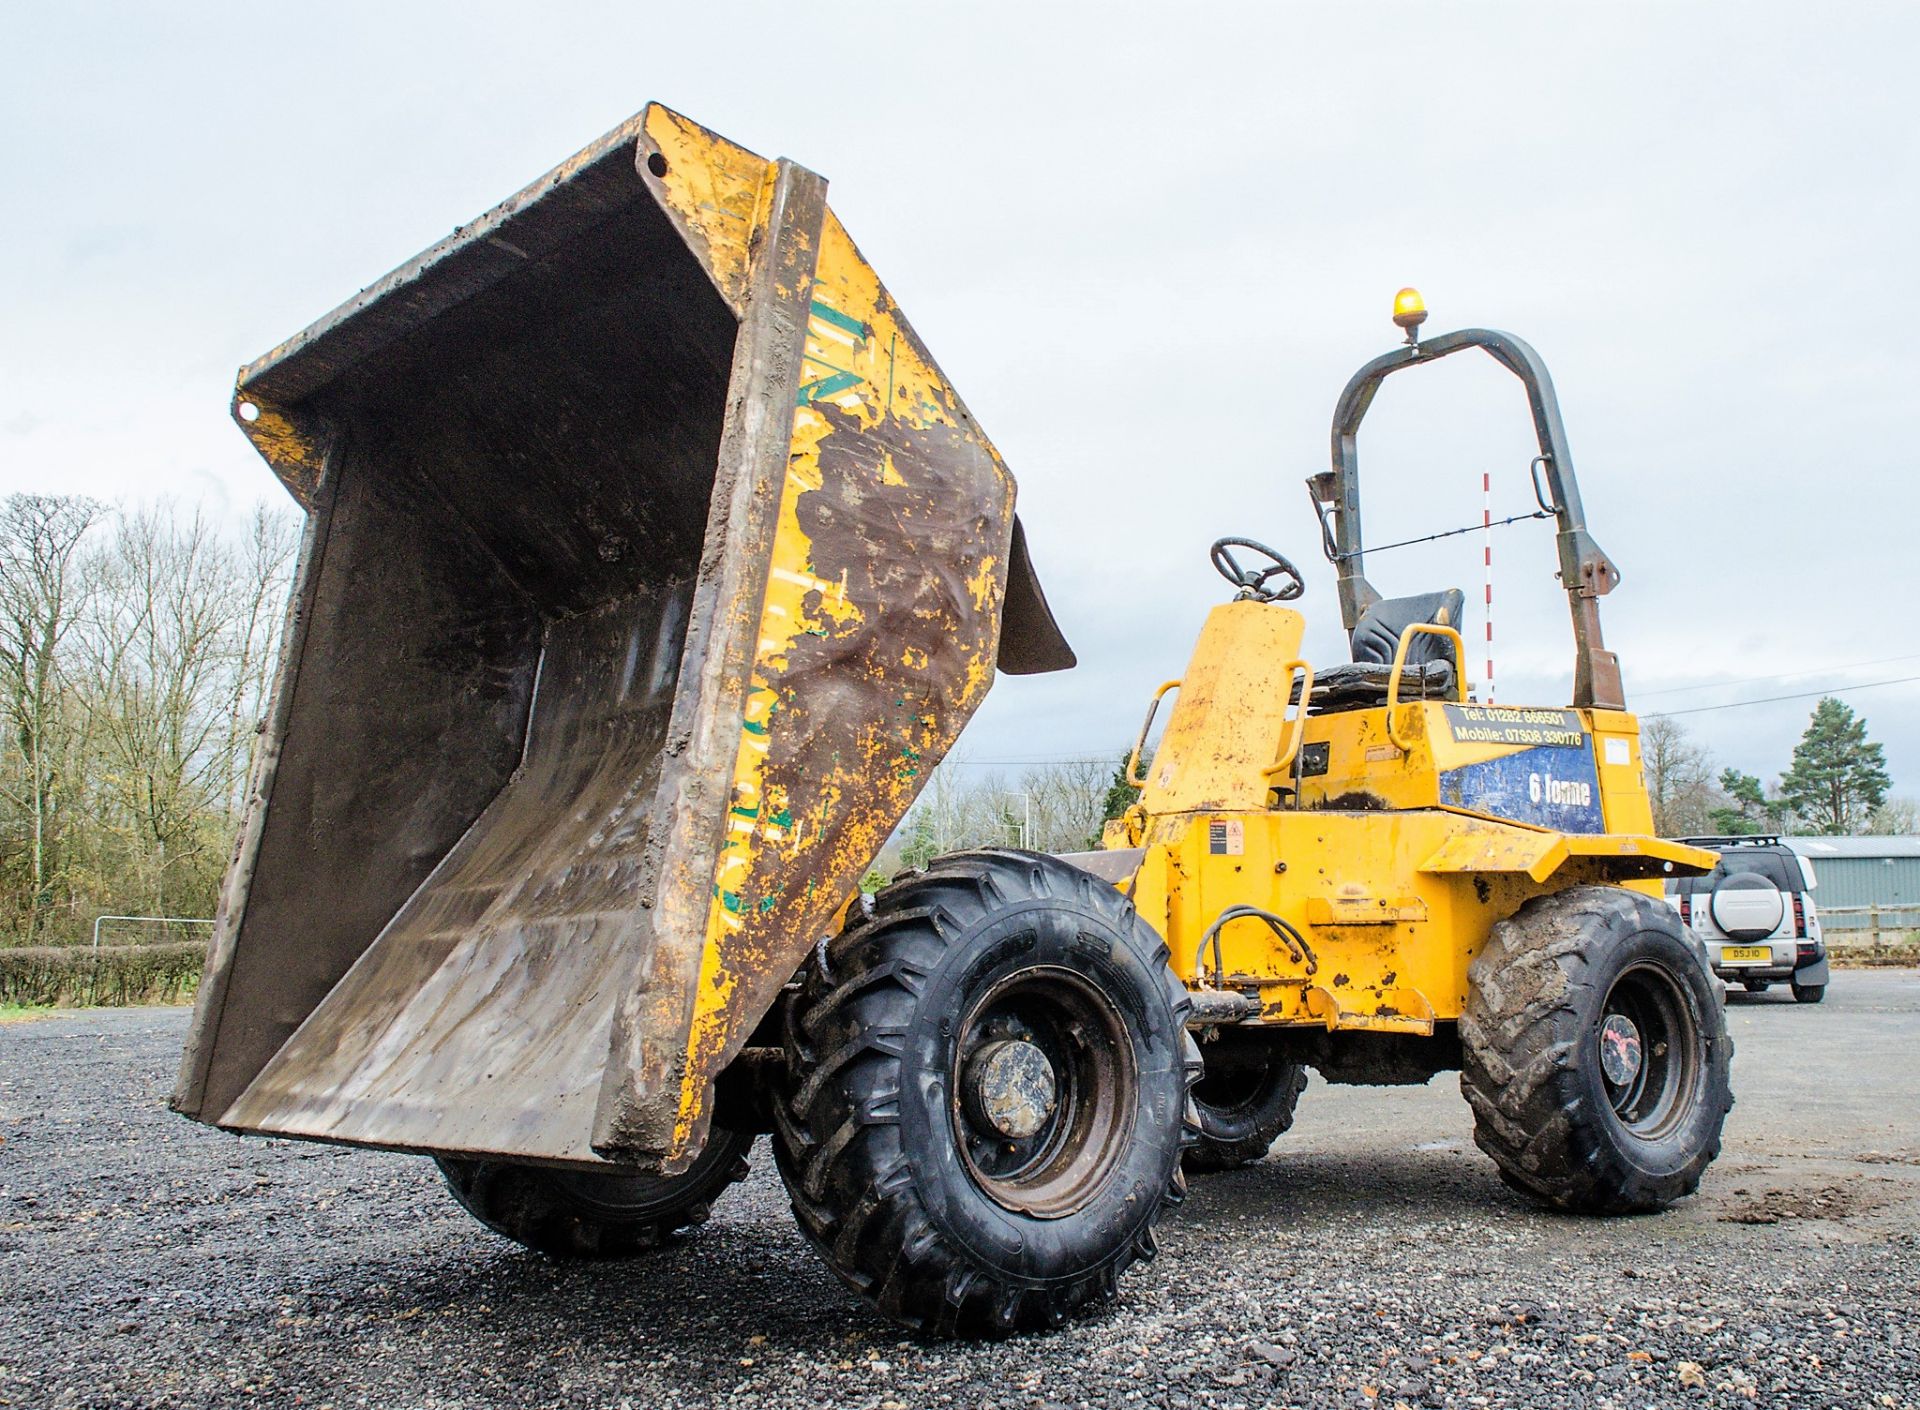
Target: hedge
(113, 974)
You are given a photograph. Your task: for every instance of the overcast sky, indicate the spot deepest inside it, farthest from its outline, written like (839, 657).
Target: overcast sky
(1148, 246)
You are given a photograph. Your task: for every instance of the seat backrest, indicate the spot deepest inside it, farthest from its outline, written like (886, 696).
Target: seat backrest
(1378, 635)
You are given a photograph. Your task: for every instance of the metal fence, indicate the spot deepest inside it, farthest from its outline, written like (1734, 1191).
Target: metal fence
(165, 924)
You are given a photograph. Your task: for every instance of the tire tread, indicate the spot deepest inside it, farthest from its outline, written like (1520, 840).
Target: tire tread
(844, 1089)
(1518, 1051)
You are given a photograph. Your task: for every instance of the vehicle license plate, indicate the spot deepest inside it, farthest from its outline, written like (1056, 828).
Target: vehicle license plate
(1746, 954)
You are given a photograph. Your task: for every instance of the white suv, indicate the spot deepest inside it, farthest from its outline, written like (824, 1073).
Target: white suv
(1754, 913)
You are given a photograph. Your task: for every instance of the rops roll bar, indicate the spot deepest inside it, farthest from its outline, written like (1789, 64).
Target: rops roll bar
(1586, 572)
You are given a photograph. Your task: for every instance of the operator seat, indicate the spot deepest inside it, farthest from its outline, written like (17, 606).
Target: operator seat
(1430, 667)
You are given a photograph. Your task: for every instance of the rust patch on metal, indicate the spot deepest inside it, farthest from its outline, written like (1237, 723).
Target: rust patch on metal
(868, 701)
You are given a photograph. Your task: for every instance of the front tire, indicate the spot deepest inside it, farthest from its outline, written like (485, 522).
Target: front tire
(1595, 1053)
(587, 1214)
(1245, 1101)
(988, 1080)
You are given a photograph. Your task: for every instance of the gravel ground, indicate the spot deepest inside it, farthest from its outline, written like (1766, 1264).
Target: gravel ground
(1373, 1260)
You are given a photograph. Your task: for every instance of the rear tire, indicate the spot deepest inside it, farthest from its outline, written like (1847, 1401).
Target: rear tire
(1809, 993)
(1245, 1101)
(1595, 1053)
(588, 1214)
(988, 1080)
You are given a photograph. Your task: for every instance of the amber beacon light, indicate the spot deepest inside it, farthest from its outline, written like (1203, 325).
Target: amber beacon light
(1409, 312)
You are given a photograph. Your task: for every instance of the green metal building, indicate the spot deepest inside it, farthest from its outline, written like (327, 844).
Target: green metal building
(1853, 874)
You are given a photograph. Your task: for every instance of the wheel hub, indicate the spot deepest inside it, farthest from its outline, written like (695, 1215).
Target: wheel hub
(1011, 1088)
(1621, 1053)
(1045, 1091)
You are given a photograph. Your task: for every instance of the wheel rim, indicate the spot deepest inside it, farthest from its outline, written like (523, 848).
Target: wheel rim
(1648, 1045)
(1233, 1089)
(1044, 1092)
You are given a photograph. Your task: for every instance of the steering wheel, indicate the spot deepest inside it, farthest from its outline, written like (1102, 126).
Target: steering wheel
(1253, 583)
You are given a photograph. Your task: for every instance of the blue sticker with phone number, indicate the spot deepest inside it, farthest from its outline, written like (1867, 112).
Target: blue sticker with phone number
(1551, 787)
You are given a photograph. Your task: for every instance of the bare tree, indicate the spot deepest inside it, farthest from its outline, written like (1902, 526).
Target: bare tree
(167, 644)
(1680, 780)
(137, 649)
(1069, 804)
(42, 597)
(1897, 817)
(1054, 807)
(265, 571)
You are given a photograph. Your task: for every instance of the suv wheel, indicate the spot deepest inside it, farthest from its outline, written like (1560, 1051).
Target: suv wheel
(1746, 906)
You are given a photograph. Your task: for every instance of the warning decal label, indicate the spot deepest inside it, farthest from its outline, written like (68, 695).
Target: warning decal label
(1226, 837)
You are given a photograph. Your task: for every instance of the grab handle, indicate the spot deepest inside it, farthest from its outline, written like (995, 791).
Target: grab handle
(1140, 744)
(1400, 665)
(1297, 726)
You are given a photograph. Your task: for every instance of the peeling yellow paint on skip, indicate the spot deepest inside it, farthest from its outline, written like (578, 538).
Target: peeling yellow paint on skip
(719, 190)
(297, 456)
(855, 335)
(861, 368)
(985, 583)
(979, 677)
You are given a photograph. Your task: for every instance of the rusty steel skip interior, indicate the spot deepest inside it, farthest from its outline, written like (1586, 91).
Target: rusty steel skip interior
(650, 567)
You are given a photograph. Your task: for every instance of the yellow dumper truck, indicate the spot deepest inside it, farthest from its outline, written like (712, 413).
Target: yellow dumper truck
(651, 565)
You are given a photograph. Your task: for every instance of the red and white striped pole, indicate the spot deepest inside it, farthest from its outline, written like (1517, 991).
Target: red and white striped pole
(1486, 530)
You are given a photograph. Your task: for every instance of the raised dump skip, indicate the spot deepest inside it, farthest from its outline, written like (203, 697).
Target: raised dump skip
(651, 565)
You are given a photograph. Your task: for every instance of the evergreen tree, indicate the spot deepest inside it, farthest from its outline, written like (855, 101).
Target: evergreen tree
(1747, 807)
(1122, 795)
(923, 843)
(1838, 776)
